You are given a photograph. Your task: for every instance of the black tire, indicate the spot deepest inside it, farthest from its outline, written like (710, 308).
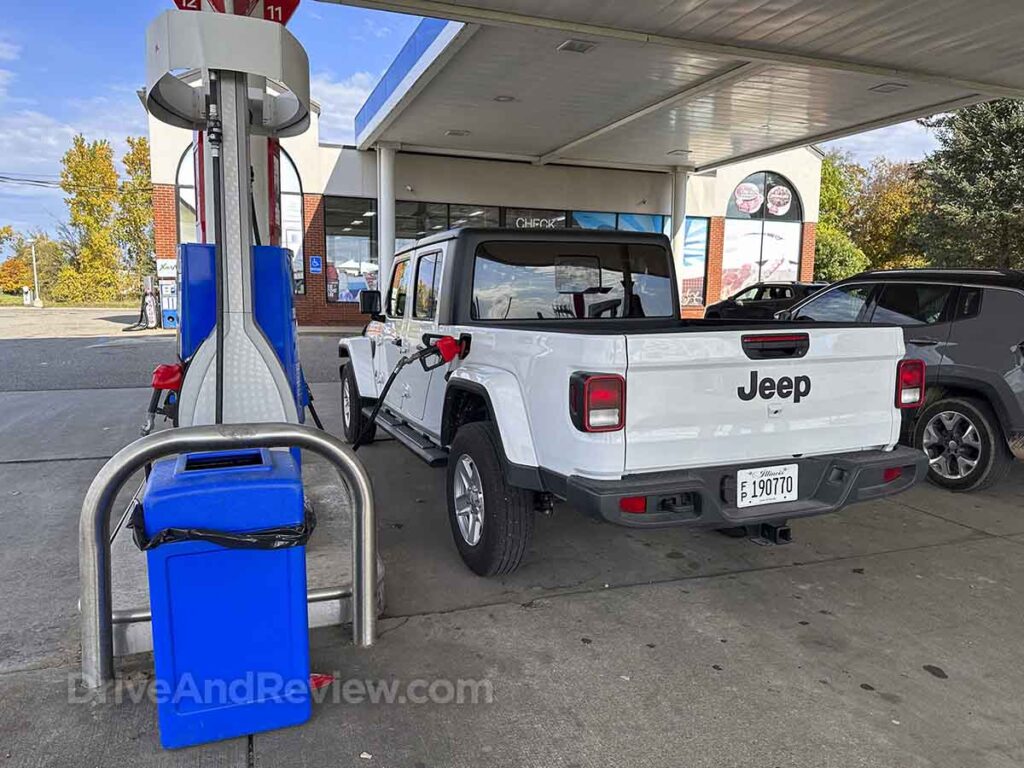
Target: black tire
(991, 454)
(506, 519)
(352, 419)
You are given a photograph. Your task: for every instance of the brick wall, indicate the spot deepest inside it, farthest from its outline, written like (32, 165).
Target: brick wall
(312, 307)
(165, 221)
(716, 247)
(807, 251)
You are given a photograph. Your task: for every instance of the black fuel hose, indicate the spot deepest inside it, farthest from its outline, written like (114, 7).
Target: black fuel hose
(380, 400)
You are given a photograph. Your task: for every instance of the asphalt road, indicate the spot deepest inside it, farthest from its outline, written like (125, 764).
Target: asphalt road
(117, 362)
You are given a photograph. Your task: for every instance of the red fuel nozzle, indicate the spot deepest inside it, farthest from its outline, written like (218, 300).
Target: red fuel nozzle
(448, 347)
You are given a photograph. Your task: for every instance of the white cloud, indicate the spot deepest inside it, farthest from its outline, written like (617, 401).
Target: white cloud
(906, 141)
(6, 76)
(32, 143)
(340, 100)
(375, 29)
(9, 51)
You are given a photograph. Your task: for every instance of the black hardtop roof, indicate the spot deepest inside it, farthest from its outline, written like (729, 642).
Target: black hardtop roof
(478, 234)
(1005, 278)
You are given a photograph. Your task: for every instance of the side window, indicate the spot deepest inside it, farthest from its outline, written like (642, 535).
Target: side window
(909, 304)
(839, 305)
(399, 289)
(780, 292)
(750, 294)
(969, 303)
(428, 279)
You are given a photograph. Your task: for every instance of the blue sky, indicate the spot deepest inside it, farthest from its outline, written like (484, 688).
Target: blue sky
(66, 68)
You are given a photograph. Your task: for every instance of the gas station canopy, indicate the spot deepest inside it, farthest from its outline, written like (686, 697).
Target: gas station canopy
(682, 84)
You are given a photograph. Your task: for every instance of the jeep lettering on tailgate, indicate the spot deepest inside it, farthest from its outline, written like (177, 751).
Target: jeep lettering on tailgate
(798, 388)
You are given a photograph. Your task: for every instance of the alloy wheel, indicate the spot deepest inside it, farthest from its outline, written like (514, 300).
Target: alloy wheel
(469, 500)
(953, 445)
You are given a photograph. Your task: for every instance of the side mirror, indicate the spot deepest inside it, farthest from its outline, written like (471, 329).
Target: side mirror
(783, 314)
(369, 303)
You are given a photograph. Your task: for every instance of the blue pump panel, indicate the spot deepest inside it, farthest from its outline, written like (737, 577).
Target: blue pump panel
(197, 296)
(273, 305)
(230, 631)
(274, 308)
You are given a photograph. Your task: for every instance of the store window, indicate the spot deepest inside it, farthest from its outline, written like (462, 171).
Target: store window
(534, 218)
(185, 193)
(592, 220)
(641, 222)
(694, 264)
(763, 233)
(488, 216)
(351, 235)
(414, 221)
(293, 223)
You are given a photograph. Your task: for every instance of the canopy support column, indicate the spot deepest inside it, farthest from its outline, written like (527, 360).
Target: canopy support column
(680, 182)
(385, 213)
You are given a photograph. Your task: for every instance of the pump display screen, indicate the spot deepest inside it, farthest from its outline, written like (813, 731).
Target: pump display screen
(528, 280)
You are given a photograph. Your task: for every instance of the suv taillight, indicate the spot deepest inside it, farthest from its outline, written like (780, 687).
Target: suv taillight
(597, 402)
(910, 384)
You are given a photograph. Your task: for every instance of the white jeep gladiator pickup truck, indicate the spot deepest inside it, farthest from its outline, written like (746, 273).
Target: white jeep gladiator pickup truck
(569, 374)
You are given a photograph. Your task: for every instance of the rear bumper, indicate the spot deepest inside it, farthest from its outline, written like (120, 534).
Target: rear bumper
(707, 497)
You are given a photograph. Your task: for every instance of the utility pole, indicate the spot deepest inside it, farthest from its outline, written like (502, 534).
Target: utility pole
(36, 302)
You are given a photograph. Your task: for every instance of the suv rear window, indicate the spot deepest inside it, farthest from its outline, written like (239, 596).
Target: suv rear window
(524, 280)
(911, 304)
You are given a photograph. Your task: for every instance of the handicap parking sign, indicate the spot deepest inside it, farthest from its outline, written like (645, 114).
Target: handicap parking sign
(316, 265)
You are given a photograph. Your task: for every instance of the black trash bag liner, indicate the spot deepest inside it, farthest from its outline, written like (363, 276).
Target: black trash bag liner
(268, 538)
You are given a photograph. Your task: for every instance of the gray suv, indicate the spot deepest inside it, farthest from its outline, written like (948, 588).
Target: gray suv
(968, 326)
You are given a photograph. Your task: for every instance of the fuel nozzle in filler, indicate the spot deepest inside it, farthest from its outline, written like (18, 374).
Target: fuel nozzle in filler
(437, 351)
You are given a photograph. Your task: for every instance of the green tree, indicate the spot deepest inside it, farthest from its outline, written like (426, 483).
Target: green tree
(89, 180)
(975, 181)
(134, 223)
(887, 210)
(835, 254)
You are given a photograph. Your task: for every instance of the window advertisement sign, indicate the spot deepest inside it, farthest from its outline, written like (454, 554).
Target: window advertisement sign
(762, 233)
(741, 255)
(694, 263)
(780, 251)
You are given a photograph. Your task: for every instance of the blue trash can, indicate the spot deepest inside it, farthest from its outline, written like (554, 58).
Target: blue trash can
(230, 631)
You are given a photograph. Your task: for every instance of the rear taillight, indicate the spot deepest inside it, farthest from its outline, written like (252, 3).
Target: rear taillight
(891, 474)
(597, 402)
(633, 505)
(910, 383)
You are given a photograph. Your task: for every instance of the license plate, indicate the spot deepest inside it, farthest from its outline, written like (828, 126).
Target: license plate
(766, 485)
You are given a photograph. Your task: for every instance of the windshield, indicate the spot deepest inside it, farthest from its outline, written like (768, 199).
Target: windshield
(526, 280)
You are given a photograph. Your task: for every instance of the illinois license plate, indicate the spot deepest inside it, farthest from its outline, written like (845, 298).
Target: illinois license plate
(766, 485)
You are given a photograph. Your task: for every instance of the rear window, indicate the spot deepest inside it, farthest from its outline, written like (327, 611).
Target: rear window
(570, 281)
(910, 304)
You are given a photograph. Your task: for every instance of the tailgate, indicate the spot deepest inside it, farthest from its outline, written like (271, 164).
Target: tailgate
(698, 399)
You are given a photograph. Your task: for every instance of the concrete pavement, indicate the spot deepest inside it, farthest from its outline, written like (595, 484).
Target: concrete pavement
(887, 635)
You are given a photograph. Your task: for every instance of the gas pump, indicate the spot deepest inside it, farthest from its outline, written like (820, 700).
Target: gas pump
(239, 515)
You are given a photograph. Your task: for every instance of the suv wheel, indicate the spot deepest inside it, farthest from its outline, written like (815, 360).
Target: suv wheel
(964, 444)
(352, 420)
(491, 521)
